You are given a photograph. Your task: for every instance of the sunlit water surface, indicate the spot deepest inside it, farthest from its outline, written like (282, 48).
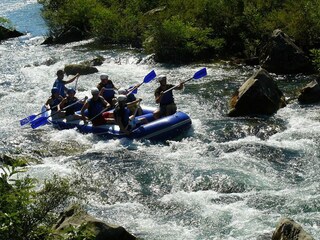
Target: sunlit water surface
(226, 178)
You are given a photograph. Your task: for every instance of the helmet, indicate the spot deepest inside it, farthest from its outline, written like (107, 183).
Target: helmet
(71, 90)
(94, 91)
(104, 76)
(122, 98)
(122, 91)
(54, 90)
(161, 78)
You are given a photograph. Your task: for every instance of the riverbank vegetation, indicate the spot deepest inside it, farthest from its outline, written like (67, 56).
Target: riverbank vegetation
(28, 211)
(188, 30)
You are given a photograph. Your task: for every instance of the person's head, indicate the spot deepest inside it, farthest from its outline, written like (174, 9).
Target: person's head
(71, 92)
(55, 91)
(60, 74)
(104, 77)
(162, 79)
(122, 99)
(95, 92)
(122, 91)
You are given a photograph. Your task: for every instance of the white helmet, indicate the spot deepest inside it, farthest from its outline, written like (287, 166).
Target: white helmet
(94, 91)
(104, 76)
(122, 98)
(122, 91)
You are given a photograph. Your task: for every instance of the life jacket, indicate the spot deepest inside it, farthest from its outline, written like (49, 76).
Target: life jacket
(54, 103)
(70, 110)
(108, 94)
(61, 87)
(123, 113)
(167, 98)
(95, 107)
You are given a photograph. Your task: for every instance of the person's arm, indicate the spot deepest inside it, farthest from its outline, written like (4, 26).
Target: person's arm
(129, 104)
(72, 79)
(106, 104)
(179, 87)
(61, 105)
(47, 104)
(84, 107)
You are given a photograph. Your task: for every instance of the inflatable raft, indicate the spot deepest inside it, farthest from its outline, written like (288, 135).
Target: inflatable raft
(156, 130)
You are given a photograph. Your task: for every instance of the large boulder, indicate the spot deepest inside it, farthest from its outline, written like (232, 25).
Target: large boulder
(282, 56)
(259, 95)
(82, 69)
(76, 217)
(8, 33)
(287, 229)
(310, 93)
(72, 34)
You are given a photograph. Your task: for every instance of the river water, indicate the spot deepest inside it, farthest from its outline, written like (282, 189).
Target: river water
(226, 178)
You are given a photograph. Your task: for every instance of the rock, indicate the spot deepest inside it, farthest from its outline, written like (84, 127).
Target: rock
(310, 93)
(76, 217)
(282, 56)
(259, 95)
(7, 33)
(97, 61)
(73, 34)
(83, 69)
(287, 229)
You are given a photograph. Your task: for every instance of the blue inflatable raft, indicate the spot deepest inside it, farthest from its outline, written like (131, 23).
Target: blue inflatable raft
(156, 130)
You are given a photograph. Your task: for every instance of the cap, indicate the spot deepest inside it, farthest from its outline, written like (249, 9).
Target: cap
(94, 91)
(71, 90)
(54, 90)
(122, 98)
(122, 91)
(104, 76)
(162, 77)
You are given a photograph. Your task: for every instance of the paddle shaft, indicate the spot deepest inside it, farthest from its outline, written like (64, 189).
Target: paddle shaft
(170, 89)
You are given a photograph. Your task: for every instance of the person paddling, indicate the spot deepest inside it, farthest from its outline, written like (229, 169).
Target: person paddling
(95, 106)
(60, 84)
(165, 100)
(106, 88)
(53, 102)
(70, 112)
(122, 114)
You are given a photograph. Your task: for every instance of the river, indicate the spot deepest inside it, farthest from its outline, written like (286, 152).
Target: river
(226, 178)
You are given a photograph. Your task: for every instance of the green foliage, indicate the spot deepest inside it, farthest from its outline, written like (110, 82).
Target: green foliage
(4, 22)
(315, 54)
(24, 212)
(187, 30)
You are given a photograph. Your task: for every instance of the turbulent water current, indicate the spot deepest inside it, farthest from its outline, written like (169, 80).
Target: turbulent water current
(226, 178)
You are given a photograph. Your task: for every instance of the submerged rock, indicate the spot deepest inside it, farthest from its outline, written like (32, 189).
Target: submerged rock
(259, 95)
(288, 229)
(76, 217)
(310, 93)
(281, 55)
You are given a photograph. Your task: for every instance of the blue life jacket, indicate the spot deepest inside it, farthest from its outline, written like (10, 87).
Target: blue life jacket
(61, 87)
(54, 103)
(108, 94)
(167, 98)
(95, 107)
(123, 113)
(70, 110)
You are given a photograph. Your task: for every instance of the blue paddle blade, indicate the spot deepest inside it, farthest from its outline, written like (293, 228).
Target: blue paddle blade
(201, 73)
(39, 122)
(151, 75)
(27, 120)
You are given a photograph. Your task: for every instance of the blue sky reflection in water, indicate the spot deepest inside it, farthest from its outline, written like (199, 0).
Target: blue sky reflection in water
(224, 179)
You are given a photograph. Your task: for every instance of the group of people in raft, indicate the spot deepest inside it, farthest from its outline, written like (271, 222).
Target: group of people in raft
(64, 104)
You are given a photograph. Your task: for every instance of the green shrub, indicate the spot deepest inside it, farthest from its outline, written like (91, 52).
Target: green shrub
(26, 213)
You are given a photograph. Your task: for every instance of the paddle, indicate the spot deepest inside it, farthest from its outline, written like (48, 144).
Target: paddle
(43, 120)
(32, 117)
(75, 86)
(150, 76)
(201, 73)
